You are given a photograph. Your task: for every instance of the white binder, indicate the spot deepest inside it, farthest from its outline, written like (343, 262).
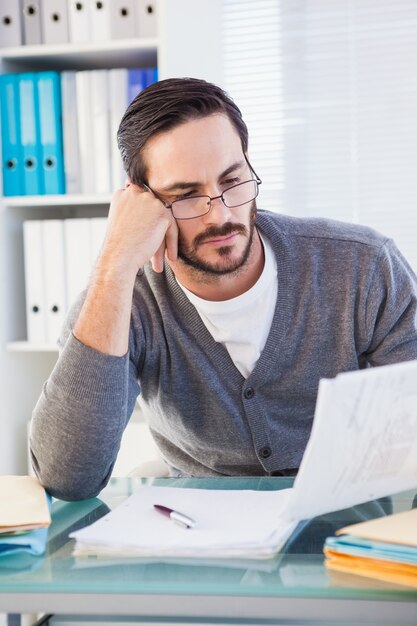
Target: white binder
(98, 227)
(122, 19)
(118, 90)
(100, 166)
(146, 18)
(99, 20)
(54, 19)
(32, 34)
(34, 281)
(77, 233)
(54, 273)
(79, 21)
(70, 133)
(10, 24)
(85, 130)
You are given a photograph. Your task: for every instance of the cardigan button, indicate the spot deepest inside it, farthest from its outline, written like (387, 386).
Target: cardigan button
(265, 452)
(249, 393)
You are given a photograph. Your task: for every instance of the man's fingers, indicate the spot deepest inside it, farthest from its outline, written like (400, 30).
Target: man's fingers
(158, 259)
(171, 241)
(168, 246)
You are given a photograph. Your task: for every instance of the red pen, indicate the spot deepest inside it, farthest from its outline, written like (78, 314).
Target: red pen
(175, 516)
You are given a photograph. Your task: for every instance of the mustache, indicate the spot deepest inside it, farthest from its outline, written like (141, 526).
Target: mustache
(219, 231)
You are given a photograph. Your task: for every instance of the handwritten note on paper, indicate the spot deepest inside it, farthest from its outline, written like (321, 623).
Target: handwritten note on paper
(363, 444)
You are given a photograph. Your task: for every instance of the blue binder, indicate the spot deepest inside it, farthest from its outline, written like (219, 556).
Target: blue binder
(150, 75)
(48, 88)
(29, 133)
(135, 83)
(10, 124)
(139, 79)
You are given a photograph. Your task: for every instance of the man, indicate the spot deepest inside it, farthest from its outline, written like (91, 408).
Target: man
(222, 317)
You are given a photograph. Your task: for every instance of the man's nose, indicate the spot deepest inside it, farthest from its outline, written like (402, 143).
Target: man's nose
(218, 213)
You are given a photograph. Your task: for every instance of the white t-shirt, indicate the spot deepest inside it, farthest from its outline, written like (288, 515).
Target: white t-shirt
(242, 324)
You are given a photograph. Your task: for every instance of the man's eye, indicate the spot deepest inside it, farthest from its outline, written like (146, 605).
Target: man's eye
(184, 196)
(231, 181)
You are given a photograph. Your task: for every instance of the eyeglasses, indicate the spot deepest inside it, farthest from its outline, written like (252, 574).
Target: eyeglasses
(196, 206)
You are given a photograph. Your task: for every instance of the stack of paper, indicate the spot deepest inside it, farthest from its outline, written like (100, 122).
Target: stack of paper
(384, 548)
(24, 515)
(362, 447)
(227, 525)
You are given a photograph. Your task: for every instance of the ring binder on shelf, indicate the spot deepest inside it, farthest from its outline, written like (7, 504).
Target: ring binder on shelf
(10, 24)
(54, 277)
(99, 20)
(32, 34)
(79, 26)
(70, 133)
(34, 281)
(11, 146)
(100, 116)
(48, 85)
(122, 19)
(54, 17)
(29, 129)
(146, 18)
(85, 129)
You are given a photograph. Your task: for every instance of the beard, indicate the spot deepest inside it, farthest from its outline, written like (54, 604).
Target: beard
(225, 264)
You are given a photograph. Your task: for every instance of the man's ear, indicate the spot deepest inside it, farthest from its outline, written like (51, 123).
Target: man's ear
(127, 183)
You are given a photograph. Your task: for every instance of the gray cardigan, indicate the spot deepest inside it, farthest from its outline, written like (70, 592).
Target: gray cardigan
(347, 299)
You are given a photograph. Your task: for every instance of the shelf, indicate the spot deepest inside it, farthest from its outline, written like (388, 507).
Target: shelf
(88, 55)
(56, 200)
(26, 346)
(179, 34)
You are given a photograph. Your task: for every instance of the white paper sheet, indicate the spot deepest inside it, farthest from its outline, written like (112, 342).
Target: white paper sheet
(228, 523)
(364, 440)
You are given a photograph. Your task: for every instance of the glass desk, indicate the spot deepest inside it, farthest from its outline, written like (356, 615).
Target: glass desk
(293, 588)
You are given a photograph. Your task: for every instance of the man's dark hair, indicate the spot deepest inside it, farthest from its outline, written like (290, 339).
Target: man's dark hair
(164, 105)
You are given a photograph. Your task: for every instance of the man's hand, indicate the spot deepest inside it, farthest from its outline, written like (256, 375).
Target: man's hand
(140, 229)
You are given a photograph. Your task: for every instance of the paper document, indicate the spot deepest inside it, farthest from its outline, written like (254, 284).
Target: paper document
(228, 524)
(362, 446)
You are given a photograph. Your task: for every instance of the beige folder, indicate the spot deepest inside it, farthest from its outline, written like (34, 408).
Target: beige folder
(398, 528)
(23, 504)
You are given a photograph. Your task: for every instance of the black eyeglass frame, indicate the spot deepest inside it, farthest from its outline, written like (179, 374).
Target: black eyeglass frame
(256, 180)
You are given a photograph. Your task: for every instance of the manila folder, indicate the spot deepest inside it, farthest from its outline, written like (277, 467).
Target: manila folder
(398, 528)
(23, 504)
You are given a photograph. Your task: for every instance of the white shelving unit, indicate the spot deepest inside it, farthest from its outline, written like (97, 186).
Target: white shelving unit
(189, 43)
(68, 200)
(97, 54)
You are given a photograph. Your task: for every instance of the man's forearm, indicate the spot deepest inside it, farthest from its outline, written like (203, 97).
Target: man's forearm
(103, 322)
(79, 420)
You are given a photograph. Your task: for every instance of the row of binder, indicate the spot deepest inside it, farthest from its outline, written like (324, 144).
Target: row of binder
(58, 259)
(94, 102)
(59, 130)
(31, 126)
(33, 22)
